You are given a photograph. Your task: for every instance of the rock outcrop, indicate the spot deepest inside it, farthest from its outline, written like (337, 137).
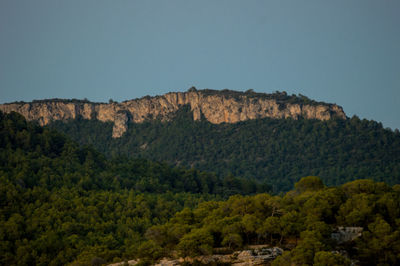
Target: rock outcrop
(345, 234)
(256, 257)
(215, 106)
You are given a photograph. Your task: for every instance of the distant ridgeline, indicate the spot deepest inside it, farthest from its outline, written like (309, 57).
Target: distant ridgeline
(215, 106)
(231, 132)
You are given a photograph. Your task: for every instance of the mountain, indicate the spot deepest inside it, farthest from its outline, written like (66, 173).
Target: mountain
(65, 204)
(314, 139)
(215, 106)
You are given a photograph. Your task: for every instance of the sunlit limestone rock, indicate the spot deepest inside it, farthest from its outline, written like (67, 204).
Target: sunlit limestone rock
(215, 106)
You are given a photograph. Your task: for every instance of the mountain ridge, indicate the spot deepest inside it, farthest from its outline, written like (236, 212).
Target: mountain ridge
(217, 107)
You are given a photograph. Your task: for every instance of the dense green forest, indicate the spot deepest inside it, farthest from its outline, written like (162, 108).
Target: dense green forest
(278, 151)
(62, 203)
(302, 221)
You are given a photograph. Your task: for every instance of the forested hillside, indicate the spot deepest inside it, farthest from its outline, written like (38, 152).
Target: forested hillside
(278, 151)
(302, 221)
(61, 203)
(65, 204)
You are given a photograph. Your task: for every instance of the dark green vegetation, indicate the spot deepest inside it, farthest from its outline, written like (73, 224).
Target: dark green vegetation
(302, 220)
(57, 100)
(278, 151)
(282, 98)
(62, 203)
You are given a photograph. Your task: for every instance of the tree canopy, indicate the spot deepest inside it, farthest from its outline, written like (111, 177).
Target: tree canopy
(62, 203)
(276, 151)
(307, 218)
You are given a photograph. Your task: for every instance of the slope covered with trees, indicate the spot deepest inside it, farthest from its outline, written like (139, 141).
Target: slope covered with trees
(65, 204)
(278, 151)
(302, 221)
(61, 203)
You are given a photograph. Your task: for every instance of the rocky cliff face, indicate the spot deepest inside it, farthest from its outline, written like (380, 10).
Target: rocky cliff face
(217, 107)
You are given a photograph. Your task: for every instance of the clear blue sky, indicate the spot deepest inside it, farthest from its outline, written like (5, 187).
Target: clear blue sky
(340, 51)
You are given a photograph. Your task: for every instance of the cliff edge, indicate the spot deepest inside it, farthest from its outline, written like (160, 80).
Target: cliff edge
(216, 106)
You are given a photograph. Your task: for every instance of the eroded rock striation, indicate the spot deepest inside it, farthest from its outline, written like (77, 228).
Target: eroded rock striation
(216, 106)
